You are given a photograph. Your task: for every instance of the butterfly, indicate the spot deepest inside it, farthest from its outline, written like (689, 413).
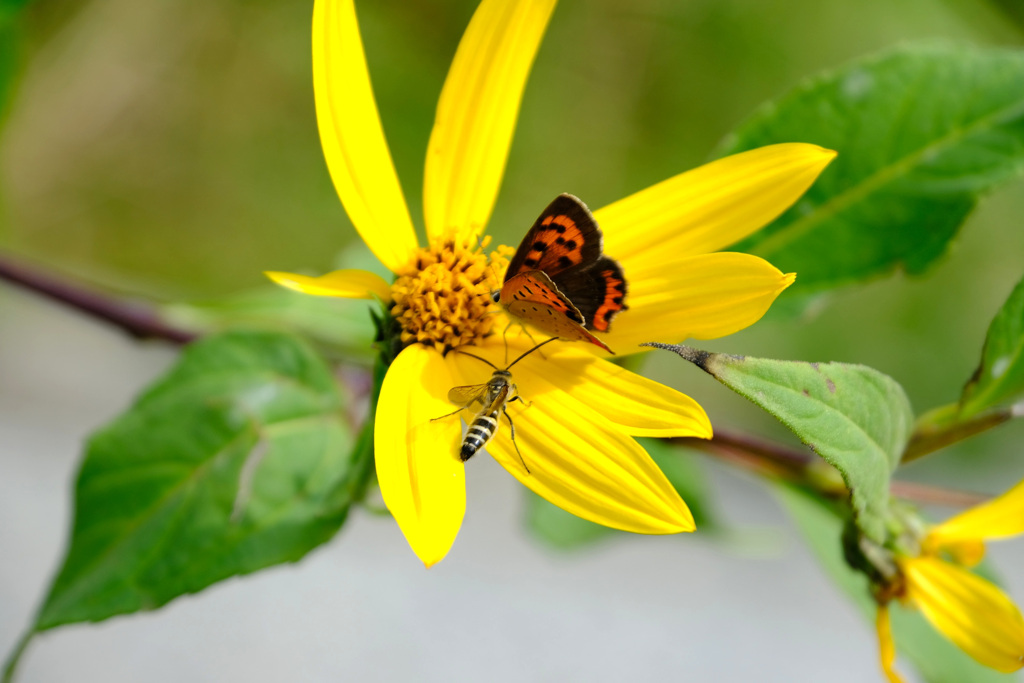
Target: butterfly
(559, 281)
(493, 398)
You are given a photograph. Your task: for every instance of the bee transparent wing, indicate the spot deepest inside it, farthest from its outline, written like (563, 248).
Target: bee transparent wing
(465, 395)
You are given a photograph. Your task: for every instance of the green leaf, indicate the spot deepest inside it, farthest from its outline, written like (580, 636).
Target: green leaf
(560, 529)
(682, 467)
(343, 324)
(857, 419)
(921, 132)
(10, 49)
(937, 659)
(237, 459)
(565, 531)
(1012, 9)
(1000, 377)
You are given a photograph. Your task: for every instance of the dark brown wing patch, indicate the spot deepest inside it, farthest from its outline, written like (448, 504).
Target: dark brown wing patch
(614, 299)
(598, 290)
(565, 235)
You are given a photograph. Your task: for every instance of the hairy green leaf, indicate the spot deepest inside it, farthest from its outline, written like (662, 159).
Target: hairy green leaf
(937, 659)
(1000, 377)
(854, 417)
(921, 132)
(237, 459)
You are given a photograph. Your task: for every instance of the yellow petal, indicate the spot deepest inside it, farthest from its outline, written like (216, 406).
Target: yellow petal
(421, 477)
(699, 297)
(712, 206)
(966, 553)
(641, 407)
(886, 647)
(1000, 517)
(352, 137)
(349, 284)
(580, 461)
(477, 112)
(974, 614)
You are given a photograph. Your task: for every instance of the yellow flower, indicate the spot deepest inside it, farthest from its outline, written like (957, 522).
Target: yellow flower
(576, 437)
(968, 610)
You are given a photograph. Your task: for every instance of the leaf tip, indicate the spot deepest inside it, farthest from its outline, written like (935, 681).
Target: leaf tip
(695, 356)
(705, 360)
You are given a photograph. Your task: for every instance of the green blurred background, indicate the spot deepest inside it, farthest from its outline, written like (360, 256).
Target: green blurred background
(170, 150)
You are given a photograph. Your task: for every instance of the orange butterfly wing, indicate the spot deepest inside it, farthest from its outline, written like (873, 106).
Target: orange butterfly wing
(559, 281)
(533, 298)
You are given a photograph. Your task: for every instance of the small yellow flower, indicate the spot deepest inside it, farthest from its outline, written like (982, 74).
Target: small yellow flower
(968, 610)
(577, 435)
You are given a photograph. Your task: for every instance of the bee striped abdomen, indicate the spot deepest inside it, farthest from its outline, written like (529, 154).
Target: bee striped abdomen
(479, 433)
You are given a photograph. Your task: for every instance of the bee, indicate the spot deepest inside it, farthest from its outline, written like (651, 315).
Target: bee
(493, 398)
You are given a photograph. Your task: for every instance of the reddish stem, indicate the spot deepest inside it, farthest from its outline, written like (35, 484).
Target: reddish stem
(776, 460)
(139, 320)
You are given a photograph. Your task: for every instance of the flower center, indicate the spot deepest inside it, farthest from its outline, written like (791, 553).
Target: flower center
(442, 298)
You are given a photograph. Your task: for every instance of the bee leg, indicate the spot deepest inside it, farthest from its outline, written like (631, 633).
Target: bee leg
(454, 412)
(512, 427)
(522, 400)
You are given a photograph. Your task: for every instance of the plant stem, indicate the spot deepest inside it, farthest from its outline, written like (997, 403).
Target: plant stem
(775, 460)
(143, 322)
(943, 427)
(15, 657)
(138, 320)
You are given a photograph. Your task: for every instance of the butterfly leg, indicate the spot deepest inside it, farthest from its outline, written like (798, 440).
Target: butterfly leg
(526, 331)
(512, 427)
(504, 339)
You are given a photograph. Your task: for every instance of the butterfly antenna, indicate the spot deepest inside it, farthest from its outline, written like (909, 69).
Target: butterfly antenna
(483, 360)
(527, 353)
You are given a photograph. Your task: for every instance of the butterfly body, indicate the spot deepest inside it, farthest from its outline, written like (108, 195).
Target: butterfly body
(559, 281)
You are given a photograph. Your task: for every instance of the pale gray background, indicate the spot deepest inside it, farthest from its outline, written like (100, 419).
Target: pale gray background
(499, 608)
